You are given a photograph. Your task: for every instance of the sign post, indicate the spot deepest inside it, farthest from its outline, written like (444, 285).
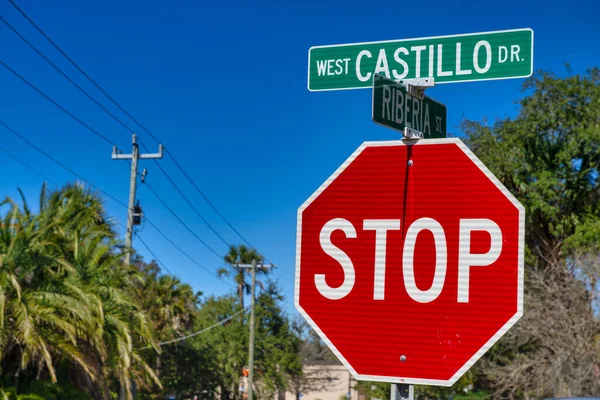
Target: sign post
(453, 58)
(412, 230)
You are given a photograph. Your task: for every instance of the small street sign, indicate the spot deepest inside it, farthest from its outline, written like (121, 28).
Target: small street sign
(409, 261)
(454, 58)
(395, 108)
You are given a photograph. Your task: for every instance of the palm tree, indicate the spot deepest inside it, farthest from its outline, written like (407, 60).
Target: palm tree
(39, 315)
(170, 304)
(66, 297)
(241, 255)
(121, 326)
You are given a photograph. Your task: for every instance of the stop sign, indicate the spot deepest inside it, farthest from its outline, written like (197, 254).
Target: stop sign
(410, 261)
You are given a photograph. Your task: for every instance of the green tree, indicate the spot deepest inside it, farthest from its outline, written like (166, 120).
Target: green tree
(170, 304)
(277, 346)
(171, 307)
(42, 307)
(226, 345)
(65, 297)
(189, 368)
(548, 157)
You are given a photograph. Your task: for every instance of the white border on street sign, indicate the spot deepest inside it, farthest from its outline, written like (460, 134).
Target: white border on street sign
(521, 262)
(422, 38)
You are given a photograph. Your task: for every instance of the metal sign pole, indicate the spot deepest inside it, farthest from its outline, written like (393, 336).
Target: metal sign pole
(402, 391)
(416, 87)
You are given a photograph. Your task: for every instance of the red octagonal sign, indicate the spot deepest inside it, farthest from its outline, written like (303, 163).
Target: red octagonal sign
(409, 261)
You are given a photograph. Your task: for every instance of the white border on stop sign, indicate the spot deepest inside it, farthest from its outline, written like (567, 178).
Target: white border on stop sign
(521, 262)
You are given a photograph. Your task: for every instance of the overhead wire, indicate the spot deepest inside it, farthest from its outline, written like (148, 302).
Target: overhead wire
(152, 253)
(44, 95)
(163, 265)
(179, 339)
(129, 115)
(109, 141)
(164, 203)
(123, 124)
(168, 239)
(190, 204)
(64, 54)
(66, 76)
(29, 166)
(63, 166)
(210, 203)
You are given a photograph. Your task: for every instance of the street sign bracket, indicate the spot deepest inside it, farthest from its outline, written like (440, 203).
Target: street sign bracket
(416, 87)
(410, 133)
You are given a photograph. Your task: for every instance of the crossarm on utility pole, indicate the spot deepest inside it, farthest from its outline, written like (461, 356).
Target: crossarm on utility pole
(134, 157)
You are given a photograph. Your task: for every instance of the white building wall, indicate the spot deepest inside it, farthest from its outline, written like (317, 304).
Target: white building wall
(337, 388)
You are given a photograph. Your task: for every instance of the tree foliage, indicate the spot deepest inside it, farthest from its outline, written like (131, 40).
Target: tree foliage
(65, 299)
(277, 347)
(236, 256)
(75, 322)
(548, 157)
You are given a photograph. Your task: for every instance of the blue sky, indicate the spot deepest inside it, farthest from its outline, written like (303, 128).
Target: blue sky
(224, 88)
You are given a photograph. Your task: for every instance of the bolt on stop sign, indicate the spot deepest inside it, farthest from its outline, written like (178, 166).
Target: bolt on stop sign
(409, 261)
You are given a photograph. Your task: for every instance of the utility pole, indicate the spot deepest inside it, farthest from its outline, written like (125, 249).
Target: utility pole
(131, 211)
(134, 156)
(252, 267)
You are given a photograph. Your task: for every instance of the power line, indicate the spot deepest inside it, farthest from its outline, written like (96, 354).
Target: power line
(41, 151)
(60, 71)
(203, 330)
(57, 47)
(107, 140)
(109, 113)
(61, 51)
(53, 159)
(153, 255)
(27, 165)
(63, 109)
(168, 239)
(164, 203)
(199, 332)
(190, 203)
(137, 235)
(213, 206)
(31, 85)
(8, 153)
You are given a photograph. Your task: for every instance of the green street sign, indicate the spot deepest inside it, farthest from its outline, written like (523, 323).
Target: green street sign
(395, 108)
(454, 58)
